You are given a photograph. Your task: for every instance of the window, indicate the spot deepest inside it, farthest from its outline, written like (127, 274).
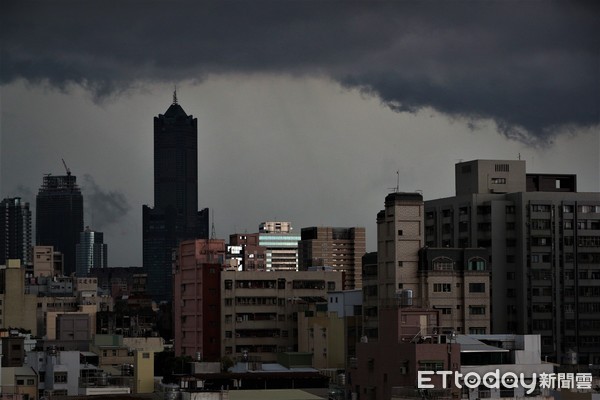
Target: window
(476, 264)
(477, 331)
(442, 287)
(145, 355)
(540, 207)
(431, 365)
(60, 377)
(568, 224)
(477, 287)
(498, 181)
(540, 224)
(477, 310)
(30, 382)
(443, 264)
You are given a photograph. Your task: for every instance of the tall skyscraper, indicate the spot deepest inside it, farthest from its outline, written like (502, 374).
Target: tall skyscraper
(175, 215)
(15, 230)
(91, 252)
(59, 216)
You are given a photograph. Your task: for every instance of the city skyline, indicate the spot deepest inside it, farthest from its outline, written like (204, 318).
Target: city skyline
(315, 140)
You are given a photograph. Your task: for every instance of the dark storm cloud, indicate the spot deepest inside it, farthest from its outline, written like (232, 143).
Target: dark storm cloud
(532, 67)
(105, 207)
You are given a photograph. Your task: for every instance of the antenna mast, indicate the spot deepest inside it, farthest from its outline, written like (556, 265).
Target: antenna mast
(397, 188)
(213, 235)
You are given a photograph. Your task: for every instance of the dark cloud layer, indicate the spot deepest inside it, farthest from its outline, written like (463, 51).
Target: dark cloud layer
(105, 207)
(532, 67)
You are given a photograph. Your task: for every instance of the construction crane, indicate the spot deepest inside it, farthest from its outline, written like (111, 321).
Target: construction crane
(66, 168)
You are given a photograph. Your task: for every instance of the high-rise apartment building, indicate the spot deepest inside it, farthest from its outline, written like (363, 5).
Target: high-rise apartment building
(91, 252)
(339, 248)
(197, 294)
(15, 230)
(175, 215)
(405, 274)
(281, 245)
(544, 240)
(399, 239)
(59, 216)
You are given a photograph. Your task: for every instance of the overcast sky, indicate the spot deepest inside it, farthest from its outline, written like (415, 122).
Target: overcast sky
(305, 110)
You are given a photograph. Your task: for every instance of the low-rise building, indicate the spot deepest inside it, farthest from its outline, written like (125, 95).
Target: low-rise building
(17, 305)
(18, 382)
(330, 331)
(408, 342)
(518, 354)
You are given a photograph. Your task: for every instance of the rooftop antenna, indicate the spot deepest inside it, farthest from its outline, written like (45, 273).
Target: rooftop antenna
(66, 168)
(213, 235)
(175, 95)
(519, 156)
(397, 188)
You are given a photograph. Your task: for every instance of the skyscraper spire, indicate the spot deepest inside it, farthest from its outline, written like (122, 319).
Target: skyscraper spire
(175, 95)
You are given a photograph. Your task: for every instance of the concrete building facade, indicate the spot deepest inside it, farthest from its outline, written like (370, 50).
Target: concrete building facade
(197, 294)
(457, 283)
(281, 245)
(259, 309)
(339, 248)
(17, 306)
(331, 331)
(47, 261)
(408, 342)
(544, 239)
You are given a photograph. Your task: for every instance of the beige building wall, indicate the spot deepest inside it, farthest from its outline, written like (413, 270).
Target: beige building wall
(143, 366)
(460, 309)
(51, 317)
(399, 238)
(21, 381)
(490, 176)
(258, 309)
(322, 335)
(45, 261)
(151, 344)
(339, 248)
(18, 309)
